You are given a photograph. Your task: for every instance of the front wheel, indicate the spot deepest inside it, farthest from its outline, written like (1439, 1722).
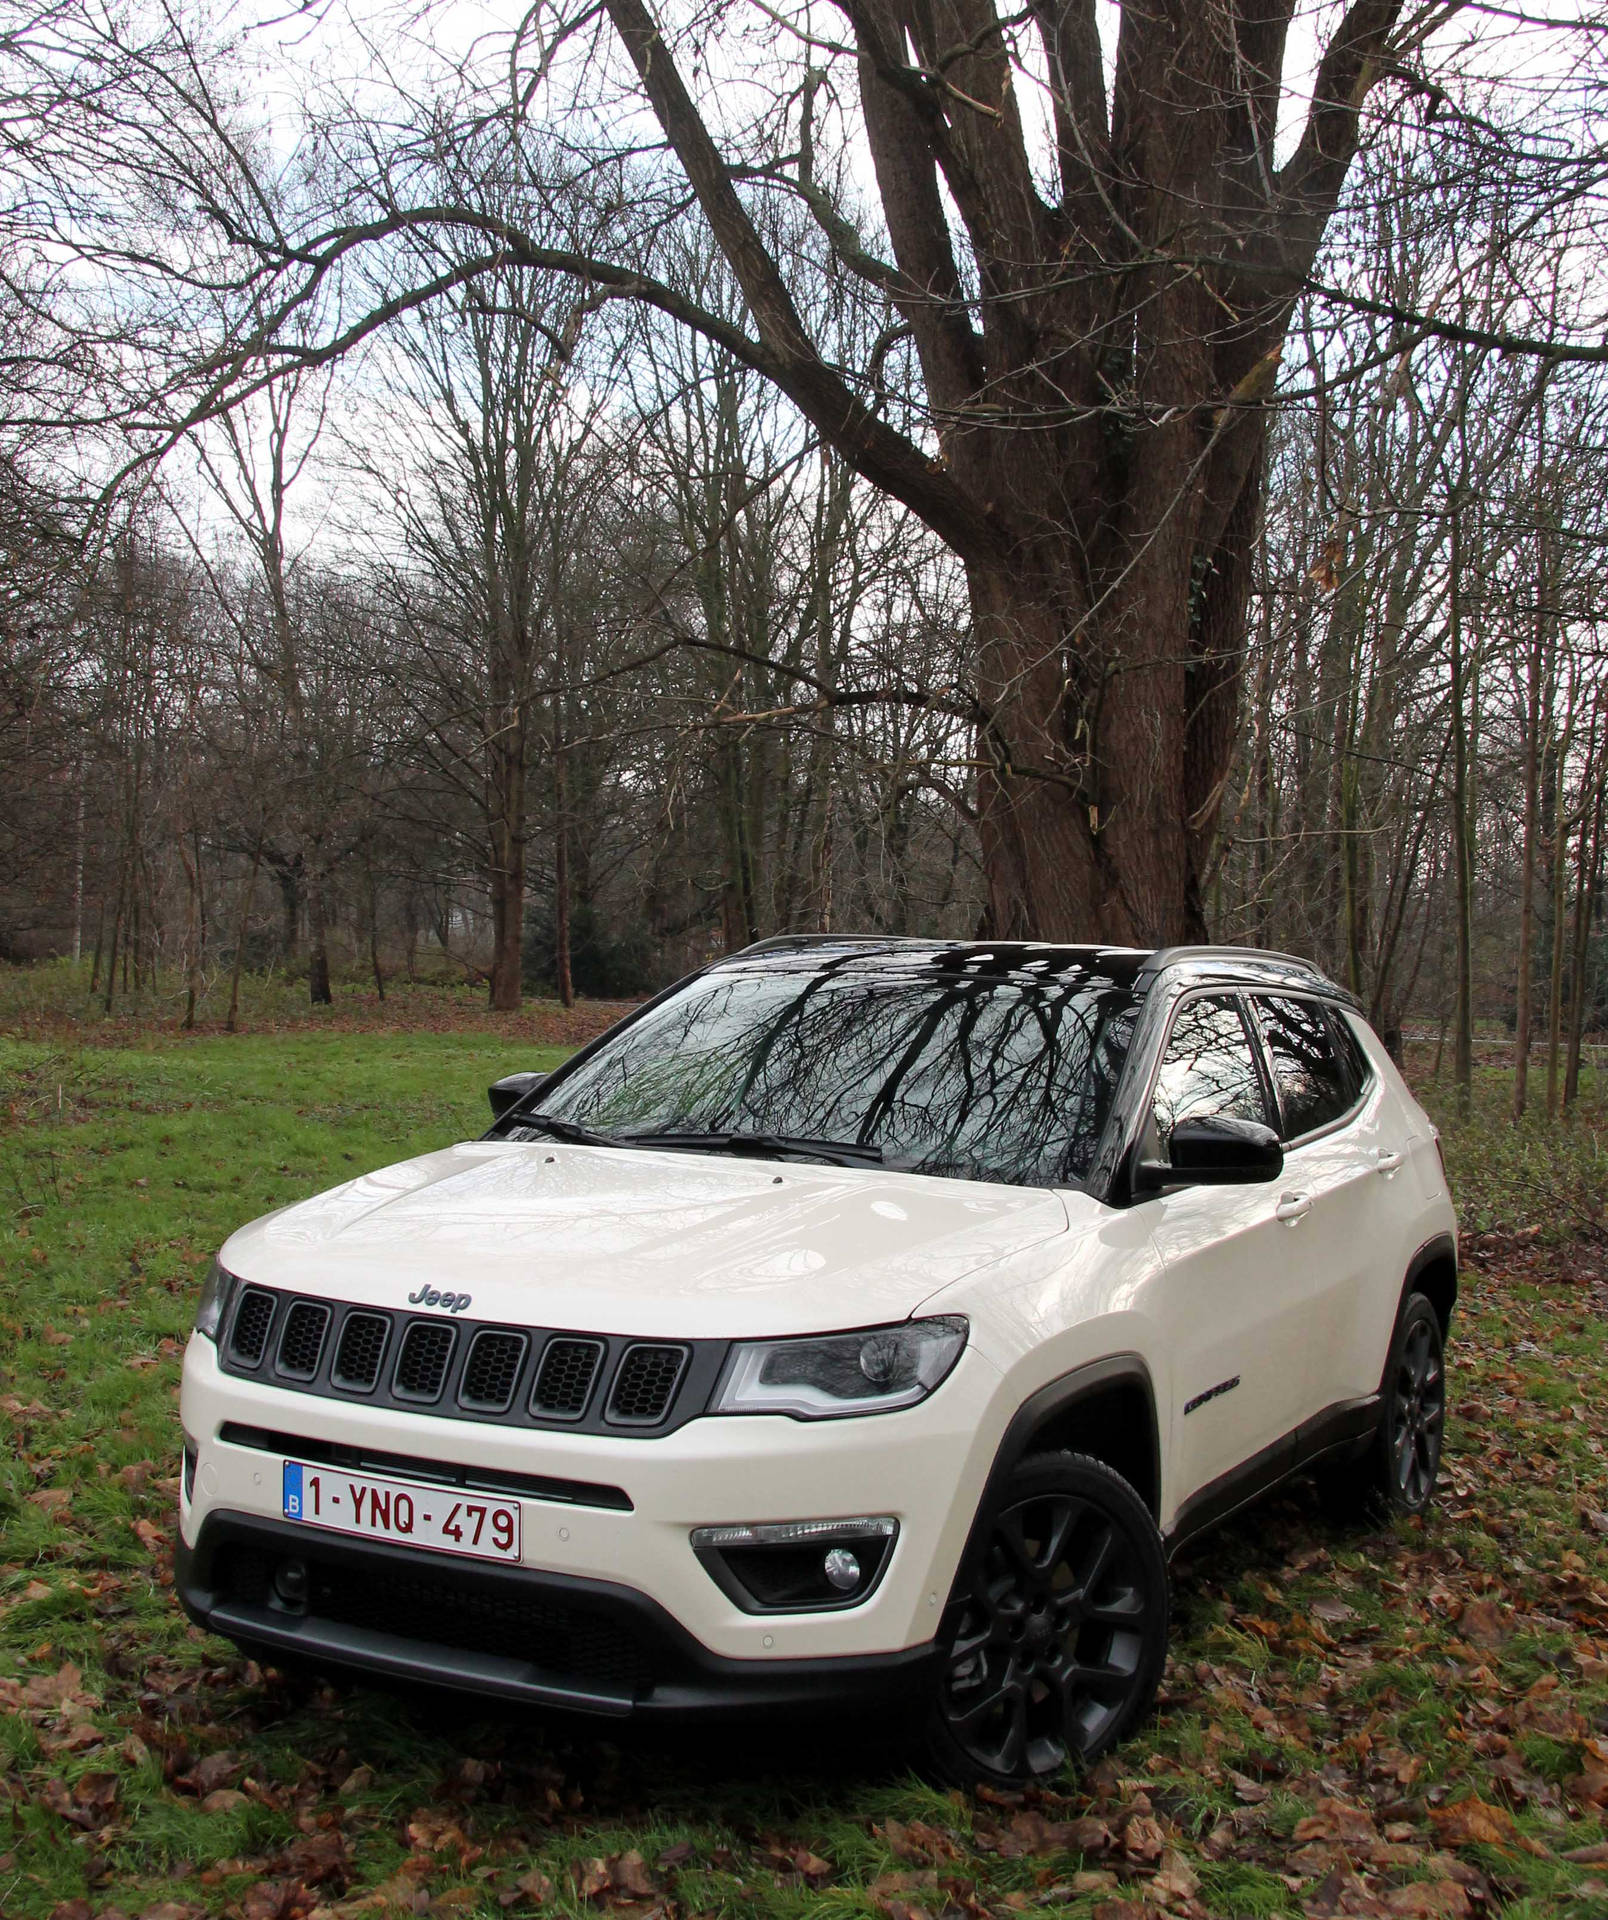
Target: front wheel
(1057, 1628)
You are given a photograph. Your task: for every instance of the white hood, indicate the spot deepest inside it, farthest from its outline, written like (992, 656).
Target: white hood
(660, 1244)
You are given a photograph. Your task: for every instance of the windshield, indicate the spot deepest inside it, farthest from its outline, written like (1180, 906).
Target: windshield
(975, 1078)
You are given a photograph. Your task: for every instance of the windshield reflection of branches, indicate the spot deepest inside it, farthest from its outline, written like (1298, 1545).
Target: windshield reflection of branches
(978, 1079)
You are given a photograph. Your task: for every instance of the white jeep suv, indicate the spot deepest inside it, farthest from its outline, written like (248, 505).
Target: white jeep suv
(862, 1320)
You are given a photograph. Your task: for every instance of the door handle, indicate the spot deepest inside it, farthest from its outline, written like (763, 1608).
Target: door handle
(1293, 1207)
(1386, 1160)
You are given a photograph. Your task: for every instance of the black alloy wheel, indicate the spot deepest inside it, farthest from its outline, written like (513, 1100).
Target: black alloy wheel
(1396, 1471)
(1058, 1627)
(1415, 1408)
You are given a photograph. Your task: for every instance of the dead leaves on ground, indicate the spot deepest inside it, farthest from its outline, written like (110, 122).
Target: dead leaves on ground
(1368, 1725)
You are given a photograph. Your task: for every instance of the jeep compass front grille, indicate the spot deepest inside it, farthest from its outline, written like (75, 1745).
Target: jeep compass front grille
(455, 1368)
(253, 1317)
(564, 1380)
(491, 1372)
(301, 1345)
(362, 1348)
(644, 1385)
(421, 1366)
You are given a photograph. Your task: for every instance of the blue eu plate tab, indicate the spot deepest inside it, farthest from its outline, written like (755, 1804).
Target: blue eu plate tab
(293, 1490)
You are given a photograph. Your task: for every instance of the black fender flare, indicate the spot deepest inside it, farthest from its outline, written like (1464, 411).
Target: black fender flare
(1439, 1248)
(1036, 1411)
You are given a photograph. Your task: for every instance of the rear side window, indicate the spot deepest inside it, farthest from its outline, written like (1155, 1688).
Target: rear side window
(1208, 1069)
(1356, 1061)
(1314, 1080)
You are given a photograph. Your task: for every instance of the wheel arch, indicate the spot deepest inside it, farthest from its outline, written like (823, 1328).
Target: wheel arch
(1432, 1271)
(1106, 1409)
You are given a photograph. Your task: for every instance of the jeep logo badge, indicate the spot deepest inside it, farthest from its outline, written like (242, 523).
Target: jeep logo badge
(429, 1297)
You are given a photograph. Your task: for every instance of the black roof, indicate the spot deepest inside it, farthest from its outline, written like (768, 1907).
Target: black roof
(1125, 967)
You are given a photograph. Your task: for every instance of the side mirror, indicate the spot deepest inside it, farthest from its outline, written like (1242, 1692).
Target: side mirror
(511, 1089)
(1213, 1151)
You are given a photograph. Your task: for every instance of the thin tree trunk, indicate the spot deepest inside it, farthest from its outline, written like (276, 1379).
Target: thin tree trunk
(506, 754)
(78, 874)
(1532, 807)
(100, 941)
(1559, 878)
(117, 931)
(231, 1023)
(373, 929)
(563, 975)
(192, 936)
(1462, 819)
(1588, 878)
(318, 987)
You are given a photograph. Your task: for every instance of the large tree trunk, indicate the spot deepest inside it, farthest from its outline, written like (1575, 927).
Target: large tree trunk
(1107, 727)
(1095, 367)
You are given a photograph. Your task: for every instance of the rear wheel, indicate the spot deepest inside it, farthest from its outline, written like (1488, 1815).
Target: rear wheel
(1397, 1473)
(1058, 1629)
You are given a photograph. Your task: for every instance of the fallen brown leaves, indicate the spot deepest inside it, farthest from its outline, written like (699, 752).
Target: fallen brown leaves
(1410, 1724)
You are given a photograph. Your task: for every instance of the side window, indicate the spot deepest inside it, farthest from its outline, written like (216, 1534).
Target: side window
(1356, 1061)
(1315, 1086)
(1208, 1068)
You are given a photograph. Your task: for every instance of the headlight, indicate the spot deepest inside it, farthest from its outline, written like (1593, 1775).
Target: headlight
(214, 1291)
(874, 1371)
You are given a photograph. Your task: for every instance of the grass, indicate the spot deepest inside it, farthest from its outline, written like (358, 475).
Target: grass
(1412, 1721)
(1541, 1177)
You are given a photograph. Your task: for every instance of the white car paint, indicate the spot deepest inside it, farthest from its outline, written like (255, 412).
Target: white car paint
(1205, 1285)
(657, 1245)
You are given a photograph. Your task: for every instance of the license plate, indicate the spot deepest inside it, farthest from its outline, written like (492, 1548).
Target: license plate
(416, 1515)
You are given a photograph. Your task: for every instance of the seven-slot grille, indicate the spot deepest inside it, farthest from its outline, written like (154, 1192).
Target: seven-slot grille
(253, 1317)
(646, 1384)
(362, 1348)
(421, 1366)
(491, 1372)
(525, 1377)
(301, 1345)
(564, 1379)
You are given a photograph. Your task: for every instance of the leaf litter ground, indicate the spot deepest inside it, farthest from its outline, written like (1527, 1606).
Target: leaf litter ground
(1409, 1722)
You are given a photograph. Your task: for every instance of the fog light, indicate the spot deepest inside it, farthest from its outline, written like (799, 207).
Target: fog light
(290, 1583)
(797, 1566)
(842, 1570)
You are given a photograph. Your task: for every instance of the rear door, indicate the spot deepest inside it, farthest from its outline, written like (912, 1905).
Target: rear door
(1342, 1152)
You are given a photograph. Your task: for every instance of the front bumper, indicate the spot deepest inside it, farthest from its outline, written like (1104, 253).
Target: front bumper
(925, 1466)
(541, 1639)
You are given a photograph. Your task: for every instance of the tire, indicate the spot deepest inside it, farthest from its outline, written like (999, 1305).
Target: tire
(1396, 1473)
(1056, 1632)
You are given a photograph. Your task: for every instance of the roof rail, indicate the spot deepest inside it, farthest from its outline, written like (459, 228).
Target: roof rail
(1232, 956)
(775, 941)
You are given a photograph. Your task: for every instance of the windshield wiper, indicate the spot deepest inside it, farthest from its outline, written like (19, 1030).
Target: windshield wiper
(571, 1132)
(764, 1146)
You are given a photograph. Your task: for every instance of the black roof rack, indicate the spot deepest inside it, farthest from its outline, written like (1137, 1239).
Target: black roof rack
(1228, 955)
(1243, 964)
(779, 942)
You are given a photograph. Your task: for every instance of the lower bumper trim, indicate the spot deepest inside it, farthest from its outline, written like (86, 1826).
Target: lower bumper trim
(593, 1647)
